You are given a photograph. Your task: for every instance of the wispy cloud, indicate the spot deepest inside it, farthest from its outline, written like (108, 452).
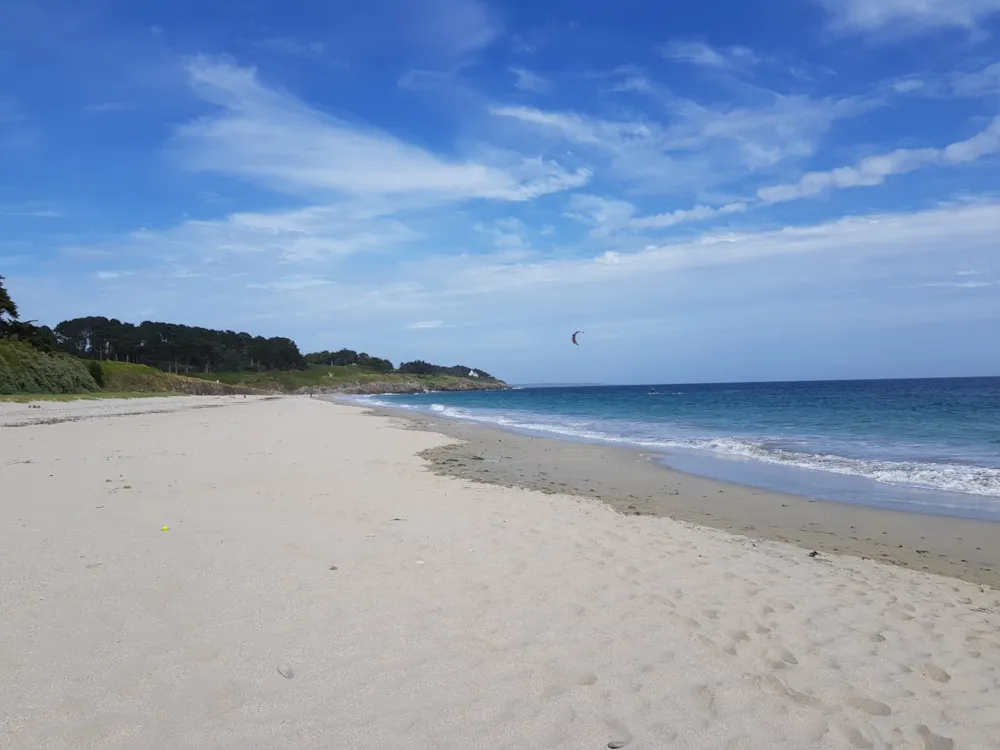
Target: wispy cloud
(705, 55)
(874, 170)
(698, 213)
(292, 283)
(908, 85)
(274, 138)
(453, 27)
(702, 145)
(295, 48)
(526, 80)
(955, 284)
(974, 83)
(424, 325)
(606, 216)
(104, 107)
(301, 235)
(983, 82)
(908, 16)
(971, 226)
(507, 234)
(29, 210)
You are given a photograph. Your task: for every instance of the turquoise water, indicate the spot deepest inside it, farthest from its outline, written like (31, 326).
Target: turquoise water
(926, 445)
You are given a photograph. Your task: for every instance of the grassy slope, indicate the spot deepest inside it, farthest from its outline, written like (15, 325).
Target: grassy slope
(124, 380)
(24, 398)
(121, 377)
(121, 380)
(344, 378)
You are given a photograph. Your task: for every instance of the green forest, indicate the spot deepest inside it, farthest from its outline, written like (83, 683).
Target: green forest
(208, 354)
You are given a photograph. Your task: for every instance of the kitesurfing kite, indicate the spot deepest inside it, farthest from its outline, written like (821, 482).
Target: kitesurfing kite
(573, 337)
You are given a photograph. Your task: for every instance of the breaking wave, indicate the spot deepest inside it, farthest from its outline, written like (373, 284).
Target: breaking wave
(930, 475)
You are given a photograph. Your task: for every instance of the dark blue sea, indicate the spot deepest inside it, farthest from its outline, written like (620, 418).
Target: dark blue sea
(925, 445)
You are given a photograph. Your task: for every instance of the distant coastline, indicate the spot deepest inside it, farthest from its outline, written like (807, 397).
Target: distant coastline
(95, 355)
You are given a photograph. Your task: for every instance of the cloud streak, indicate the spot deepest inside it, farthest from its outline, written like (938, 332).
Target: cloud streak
(275, 139)
(704, 55)
(293, 47)
(701, 145)
(526, 80)
(908, 16)
(874, 170)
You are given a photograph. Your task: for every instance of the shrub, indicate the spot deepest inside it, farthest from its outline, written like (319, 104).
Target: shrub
(24, 369)
(96, 372)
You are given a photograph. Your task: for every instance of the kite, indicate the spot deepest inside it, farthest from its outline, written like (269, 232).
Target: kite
(573, 337)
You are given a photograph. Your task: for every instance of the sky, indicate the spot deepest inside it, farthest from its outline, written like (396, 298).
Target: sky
(713, 190)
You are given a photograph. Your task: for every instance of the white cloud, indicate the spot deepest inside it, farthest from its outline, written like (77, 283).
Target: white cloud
(698, 213)
(634, 82)
(452, 27)
(874, 170)
(974, 84)
(605, 215)
(957, 284)
(700, 53)
(110, 275)
(308, 234)
(712, 278)
(424, 325)
(274, 138)
(103, 107)
(969, 227)
(984, 82)
(507, 234)
(288, 46)
(529, 81)
(293, 283)
(905, 16)
(698, 146)
(908, 85)
(29, 210)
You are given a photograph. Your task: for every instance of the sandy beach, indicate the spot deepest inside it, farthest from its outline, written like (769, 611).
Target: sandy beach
(634, 483)
(217, 572)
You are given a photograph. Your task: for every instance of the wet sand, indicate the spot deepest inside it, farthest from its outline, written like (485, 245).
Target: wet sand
(634, 483)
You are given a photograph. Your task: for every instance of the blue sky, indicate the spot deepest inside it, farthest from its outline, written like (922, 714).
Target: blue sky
(712, 190)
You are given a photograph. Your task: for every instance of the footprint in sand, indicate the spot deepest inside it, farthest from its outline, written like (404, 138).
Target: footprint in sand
(854, 736)
(936, 673)
(934, 741)
(869, 706)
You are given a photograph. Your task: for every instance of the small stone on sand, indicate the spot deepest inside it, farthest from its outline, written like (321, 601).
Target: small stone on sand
(285, 671)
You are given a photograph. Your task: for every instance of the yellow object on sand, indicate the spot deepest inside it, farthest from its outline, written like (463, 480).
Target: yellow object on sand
(165, 528)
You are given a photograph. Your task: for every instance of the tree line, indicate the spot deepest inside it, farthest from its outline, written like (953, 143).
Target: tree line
(176, 348)
(180, 348)
(349, 357)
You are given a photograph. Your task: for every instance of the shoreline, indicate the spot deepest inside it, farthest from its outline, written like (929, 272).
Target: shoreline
(632, 482)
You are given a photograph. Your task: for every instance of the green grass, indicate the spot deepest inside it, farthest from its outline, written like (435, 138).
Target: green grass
(124, 377)
(24, 398)
(318, 376)
(126, 380)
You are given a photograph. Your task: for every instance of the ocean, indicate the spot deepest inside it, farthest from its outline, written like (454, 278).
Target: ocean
(930, 446)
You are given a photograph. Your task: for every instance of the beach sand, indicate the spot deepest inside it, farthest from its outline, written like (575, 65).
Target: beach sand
(319, 587)
(634, 483)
